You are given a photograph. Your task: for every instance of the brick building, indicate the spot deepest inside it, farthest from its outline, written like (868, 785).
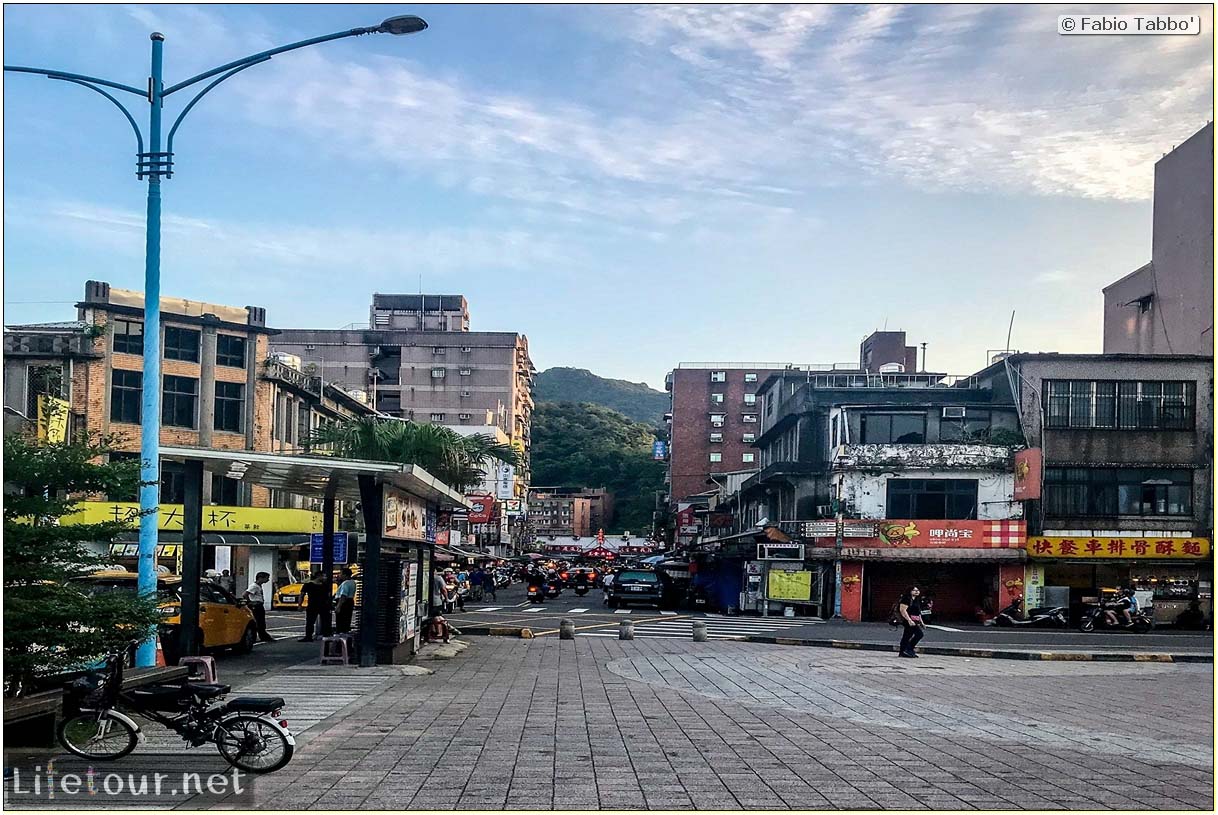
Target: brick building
(554, 515)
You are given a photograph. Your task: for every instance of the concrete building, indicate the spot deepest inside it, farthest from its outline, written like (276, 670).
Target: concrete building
(221, 390)
(553, 515)
(1127, 443)
(1167, 305)
(418, 360)
(600, 503)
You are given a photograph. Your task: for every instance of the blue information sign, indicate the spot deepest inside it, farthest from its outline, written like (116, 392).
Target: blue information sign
(659, 451)
(340, 547)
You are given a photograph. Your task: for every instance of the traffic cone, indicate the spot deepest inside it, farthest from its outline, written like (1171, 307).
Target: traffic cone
(160, 653)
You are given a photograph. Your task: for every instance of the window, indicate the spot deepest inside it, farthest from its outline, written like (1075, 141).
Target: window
(173, 482)
(1111, 491)
(833, 435)
(225, 491)
(466, 372)
(748, 458)
(932, 499)
(230, 404)
(128, 337)
(230, 351)
(438, 350)
(974, 425)
(750, 399)
(304, 423)
(125, 395)
(718, 376)
(893, 428)
(181, 343)
(749, 438)
(716, 458)
(42, 380)
(437, 417)
(717, 419)
(717, 398)
(749, 418)
(716, 437)
(178, 400)
(437, 373)
(750, 377)
(1082, 403)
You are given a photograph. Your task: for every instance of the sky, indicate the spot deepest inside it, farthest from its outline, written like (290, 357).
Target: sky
(630, 186)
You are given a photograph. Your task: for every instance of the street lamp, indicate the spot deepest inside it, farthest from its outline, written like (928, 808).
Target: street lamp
(152, 164)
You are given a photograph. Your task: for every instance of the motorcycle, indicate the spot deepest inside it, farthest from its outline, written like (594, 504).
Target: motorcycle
(536, 595)
(1010, 617)
(247, 731)
(1095, 617)
(553, 588)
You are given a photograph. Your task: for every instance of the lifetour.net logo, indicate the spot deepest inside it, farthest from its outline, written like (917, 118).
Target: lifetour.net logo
(50, 784)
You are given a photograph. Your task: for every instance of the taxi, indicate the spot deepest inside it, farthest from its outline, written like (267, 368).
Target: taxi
(224, 621)
(292, 595)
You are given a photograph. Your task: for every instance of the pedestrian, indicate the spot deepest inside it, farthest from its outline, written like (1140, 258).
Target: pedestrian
(346, 603)
(436, 626)
(909, 610)
(488, 585)
(475, 582)
(316, 596)
(256, 598)
(228, 582)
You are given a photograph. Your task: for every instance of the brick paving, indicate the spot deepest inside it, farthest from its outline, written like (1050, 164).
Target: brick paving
(662, 724)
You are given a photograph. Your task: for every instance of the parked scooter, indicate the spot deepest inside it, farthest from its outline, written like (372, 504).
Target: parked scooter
(1056, 617)
(1095, 618)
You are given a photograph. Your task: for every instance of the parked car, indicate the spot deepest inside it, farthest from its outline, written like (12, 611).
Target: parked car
(637, 586)
(292, 596)
(224, 621)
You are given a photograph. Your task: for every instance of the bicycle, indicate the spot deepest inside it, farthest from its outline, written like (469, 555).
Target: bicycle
(247, 730)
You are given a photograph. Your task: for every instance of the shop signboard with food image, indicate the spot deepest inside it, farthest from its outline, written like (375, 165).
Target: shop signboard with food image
(405, 516)
(1007, 534)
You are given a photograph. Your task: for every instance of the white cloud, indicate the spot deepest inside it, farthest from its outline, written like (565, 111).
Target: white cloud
(1055, 277)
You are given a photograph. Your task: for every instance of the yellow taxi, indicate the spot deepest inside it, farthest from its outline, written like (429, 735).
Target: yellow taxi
(224, 621)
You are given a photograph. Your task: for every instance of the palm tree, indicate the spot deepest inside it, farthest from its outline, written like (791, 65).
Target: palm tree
(459, 461)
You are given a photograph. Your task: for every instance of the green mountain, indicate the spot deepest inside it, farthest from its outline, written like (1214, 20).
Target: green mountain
(631, 399)
(586, 445)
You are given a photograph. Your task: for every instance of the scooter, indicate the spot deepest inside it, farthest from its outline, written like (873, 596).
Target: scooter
(1037, 617)
(553, 588)
(536, 595)
(1095, 617)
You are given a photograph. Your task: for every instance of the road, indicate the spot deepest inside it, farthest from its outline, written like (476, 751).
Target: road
(593, 618)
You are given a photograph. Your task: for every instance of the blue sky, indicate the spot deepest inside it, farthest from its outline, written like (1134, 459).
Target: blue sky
(630, 186)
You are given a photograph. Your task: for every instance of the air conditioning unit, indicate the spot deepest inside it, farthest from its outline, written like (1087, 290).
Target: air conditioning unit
(465, 349)
(463, 416)
(465, 393)
(954, 412)
(824, 509)
(892, 368)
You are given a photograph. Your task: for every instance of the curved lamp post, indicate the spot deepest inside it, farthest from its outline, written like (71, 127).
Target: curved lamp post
(151, 164)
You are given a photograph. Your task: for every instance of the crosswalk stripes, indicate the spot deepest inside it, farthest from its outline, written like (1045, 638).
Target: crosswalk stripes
(579, 610)
(668, 613)
(622, 611)
(488, 608)
(533, 610)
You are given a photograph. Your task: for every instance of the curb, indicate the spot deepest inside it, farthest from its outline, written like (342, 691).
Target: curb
(934, 650)
(989, 653)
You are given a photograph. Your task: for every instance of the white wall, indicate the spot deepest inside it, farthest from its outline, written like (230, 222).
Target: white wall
(868, 493)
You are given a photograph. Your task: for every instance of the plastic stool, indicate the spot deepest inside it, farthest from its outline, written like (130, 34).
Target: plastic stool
(202, 669)
(335, 651)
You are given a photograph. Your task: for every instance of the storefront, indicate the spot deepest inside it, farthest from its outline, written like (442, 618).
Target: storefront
(966, 566)
(1168, 572)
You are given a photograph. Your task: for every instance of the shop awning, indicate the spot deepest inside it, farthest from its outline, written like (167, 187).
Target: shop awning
(226, 539)
(308, 475)
(915, 555)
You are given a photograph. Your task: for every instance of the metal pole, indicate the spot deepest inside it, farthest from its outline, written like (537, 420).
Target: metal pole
(327, 551)
(372, 504)
(192, 558)
(150, 416)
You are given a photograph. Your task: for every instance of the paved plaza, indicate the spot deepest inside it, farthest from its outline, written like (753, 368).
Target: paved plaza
(598, 723)
(660, 724)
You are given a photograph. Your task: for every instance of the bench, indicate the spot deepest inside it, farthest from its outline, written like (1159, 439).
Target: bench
(29, 721)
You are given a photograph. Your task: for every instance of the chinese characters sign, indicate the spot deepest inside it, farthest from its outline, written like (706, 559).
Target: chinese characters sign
(1123, 547)
(215, 518)
(953, 534)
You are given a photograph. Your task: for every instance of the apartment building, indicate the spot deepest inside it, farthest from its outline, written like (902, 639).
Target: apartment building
(418, 360)
(1167, 305)
(553, 515)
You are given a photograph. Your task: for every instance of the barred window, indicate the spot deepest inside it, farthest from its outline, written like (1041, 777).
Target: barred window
(1110, 405)
(1112, 491)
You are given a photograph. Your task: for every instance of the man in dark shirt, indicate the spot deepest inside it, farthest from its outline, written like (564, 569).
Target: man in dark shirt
(316, 596)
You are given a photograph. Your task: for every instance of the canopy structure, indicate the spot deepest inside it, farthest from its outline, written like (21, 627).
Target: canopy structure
(325, 477)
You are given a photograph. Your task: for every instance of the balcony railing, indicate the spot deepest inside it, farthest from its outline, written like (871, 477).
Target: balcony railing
(273, 369)
(923, 456)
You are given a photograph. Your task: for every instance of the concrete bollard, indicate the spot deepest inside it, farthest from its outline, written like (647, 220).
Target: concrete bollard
(625, 630)
(699, 630)
(566, 630)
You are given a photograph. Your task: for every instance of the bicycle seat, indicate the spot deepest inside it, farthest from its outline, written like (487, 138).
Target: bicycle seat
(206, 690)
(255, 704)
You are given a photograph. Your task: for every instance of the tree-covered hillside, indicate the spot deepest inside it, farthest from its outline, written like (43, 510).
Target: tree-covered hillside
(631, 399)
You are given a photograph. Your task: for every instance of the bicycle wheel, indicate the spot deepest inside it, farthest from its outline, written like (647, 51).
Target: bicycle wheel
(97, 736)
(253, 744)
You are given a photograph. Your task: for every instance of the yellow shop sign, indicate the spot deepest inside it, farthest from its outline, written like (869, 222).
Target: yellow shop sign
(215, 519)
(1123, 547)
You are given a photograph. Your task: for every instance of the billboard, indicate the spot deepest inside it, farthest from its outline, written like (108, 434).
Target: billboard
(1029, 464)
(405, 516)
(482, 508)
(1124, 548)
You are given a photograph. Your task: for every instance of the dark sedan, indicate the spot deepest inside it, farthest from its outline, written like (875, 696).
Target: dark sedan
(636, 586)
